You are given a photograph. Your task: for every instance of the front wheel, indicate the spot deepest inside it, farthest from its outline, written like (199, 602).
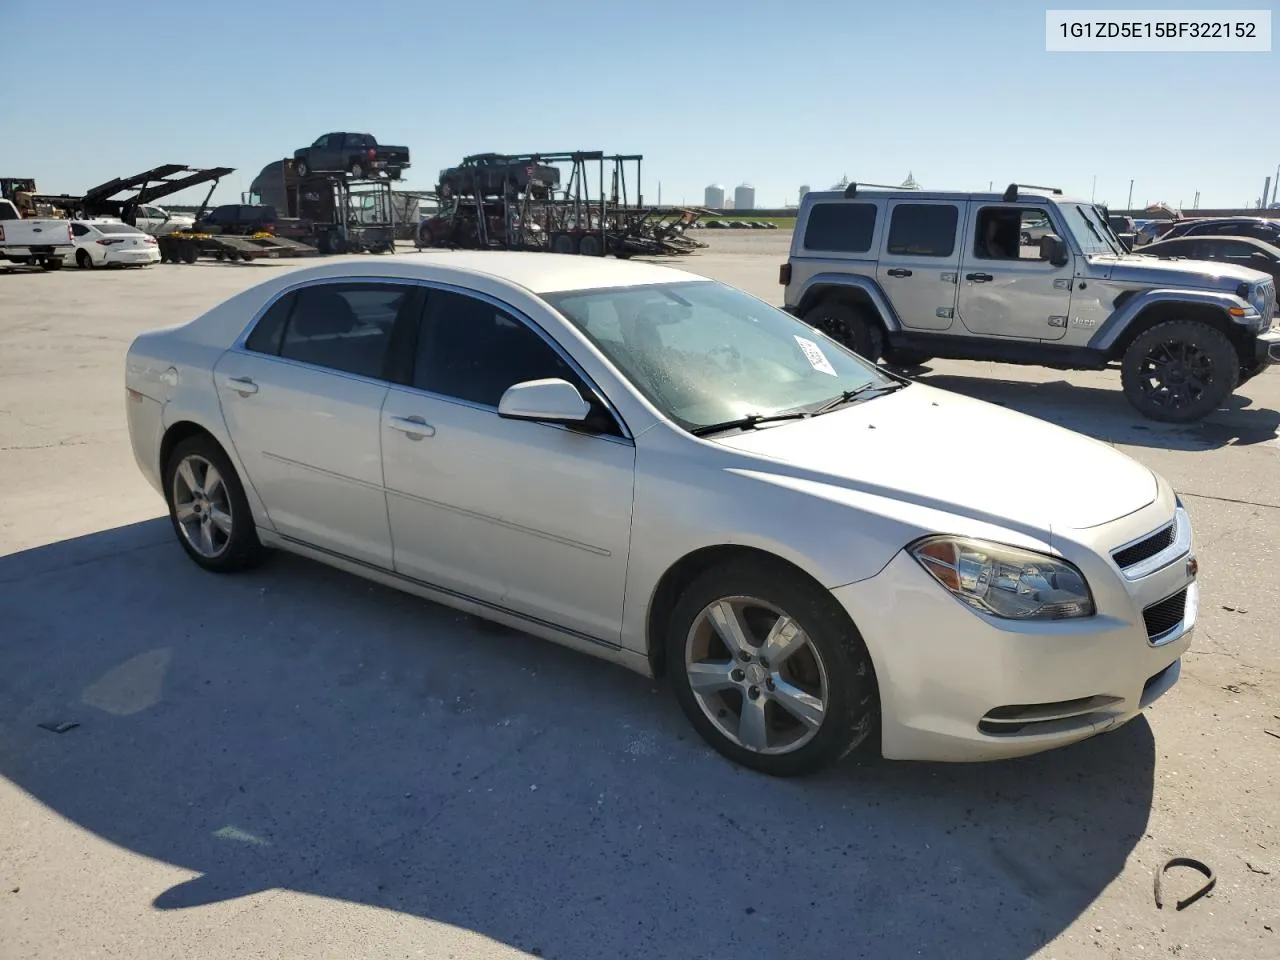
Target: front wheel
(769, 669)
(208, 508)
(1179, 371)
(849, 324)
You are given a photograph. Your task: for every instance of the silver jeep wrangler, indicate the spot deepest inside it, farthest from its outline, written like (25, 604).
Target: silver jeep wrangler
(1030, 277)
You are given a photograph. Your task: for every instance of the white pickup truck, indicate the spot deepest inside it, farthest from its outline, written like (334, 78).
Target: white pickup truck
(31, 242)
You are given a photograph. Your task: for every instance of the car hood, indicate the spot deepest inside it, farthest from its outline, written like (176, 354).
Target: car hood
(946, 451)
(1205, 274)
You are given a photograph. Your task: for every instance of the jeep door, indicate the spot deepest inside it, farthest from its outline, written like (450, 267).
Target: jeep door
(1006, 290)
(920, 261)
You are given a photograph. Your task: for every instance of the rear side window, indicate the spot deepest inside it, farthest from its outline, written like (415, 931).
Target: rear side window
(345, 327)
(840, 227)
(923, 229)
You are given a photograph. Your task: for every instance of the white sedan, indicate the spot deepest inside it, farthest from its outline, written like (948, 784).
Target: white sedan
(101, 243)
(658, 469)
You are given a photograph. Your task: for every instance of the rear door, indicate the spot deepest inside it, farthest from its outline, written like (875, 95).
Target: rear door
(302, 399)
(920, 261)
(1006, 290)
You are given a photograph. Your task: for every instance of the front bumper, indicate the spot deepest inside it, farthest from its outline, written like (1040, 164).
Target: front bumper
(1267, 347)
(957, 686)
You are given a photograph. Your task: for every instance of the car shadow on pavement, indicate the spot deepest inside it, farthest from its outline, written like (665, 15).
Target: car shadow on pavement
(1106, 415)
(298, 728)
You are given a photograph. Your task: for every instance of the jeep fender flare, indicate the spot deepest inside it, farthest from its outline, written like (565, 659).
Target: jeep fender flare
(1145, 309)
(861, 289)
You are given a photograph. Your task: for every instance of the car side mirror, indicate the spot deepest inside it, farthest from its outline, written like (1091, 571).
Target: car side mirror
(1053, 249)
(547, 401)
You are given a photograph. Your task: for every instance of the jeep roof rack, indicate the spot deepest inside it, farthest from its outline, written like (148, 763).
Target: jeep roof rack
(1011, 191)
(851, 190)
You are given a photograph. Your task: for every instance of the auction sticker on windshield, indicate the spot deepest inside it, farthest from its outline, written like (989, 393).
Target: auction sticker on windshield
(817, 359)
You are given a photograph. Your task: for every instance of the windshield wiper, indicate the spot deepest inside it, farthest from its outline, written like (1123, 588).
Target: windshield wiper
(850, 395)
(749, 422)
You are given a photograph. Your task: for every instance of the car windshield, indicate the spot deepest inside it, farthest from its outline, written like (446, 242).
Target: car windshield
(705, 353)
(115, 228)
(1091, 230)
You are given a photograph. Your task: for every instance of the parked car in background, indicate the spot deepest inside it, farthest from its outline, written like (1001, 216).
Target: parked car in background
(1241, 251)
(110, 243)
(1124, 228)
(34, 242)
(655, 468)
(158, 221)
(1152, 230)
(357, 154)
(1259, 228)
(909, 276)
(248, 218)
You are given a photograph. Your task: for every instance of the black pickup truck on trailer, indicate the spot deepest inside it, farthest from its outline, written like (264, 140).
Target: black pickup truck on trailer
(357, 154)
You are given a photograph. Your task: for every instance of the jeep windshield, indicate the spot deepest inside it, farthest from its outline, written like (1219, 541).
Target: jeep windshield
(708, 355)
(1091, 231)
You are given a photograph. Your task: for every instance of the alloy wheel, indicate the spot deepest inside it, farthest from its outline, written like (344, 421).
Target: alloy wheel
(202, 506)
(1175, 374)
(756, 675)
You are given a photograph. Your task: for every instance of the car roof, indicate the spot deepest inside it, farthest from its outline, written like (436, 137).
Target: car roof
(538, 273)
(865, 194)
(1270, 248)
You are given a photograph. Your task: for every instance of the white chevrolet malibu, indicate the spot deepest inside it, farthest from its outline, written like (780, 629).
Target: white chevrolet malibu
(658, 469)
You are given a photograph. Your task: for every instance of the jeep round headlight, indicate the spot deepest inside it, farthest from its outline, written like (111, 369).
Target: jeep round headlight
(1005, 581)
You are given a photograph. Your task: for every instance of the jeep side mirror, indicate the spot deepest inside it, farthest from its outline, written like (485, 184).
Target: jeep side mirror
(1053, 249)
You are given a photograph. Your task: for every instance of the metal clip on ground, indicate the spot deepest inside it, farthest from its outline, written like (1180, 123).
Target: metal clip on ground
(1184, 862)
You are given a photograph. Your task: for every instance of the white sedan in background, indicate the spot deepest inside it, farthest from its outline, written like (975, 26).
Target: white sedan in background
(101, 243)
(660, 470)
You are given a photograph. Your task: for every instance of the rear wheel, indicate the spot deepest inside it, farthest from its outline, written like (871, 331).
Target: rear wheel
(589, 245)
(769, 669)
(1179, 371)
(83, 260)
(51, 263)
(208, 508)
(849, 324)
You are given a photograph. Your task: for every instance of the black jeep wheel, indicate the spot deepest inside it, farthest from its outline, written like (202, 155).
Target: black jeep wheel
(849, 324)
(1179, 371)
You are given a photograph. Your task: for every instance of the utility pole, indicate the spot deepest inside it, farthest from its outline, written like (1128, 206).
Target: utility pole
(1094, 192)
(1130, 206)
(659, 193)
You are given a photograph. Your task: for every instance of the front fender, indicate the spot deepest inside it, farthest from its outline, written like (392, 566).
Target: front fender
(817, 285)
(1114, 326)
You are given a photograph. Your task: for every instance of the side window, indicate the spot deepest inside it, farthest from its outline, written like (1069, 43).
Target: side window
(345, 327)
(269, 331)
(321, 143)
(1235, 251)
(471, 350)
(1010, 233)
(923, 230)
(79, 230)
(840, 227)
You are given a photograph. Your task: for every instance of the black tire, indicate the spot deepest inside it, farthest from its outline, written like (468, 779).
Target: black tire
(563, 243)
(83, 260)
(190, 253)
(589, 245)
(849, 324)
(51, 263)
(1179, 371)
(852, 702)
(243, 549)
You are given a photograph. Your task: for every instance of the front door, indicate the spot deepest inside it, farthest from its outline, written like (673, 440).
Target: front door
(1006, 289)
(919, 262)
(303, 399)
(528, 517)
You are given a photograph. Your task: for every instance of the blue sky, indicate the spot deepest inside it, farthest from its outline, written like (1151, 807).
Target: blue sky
(777, 94)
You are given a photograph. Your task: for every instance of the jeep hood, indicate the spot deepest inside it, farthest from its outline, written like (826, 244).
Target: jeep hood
(1196, 274)
(946, 451)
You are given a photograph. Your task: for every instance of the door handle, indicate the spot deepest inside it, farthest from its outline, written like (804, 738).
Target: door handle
(242, 385)
(899, 272)
(979, 277)
(415, 428)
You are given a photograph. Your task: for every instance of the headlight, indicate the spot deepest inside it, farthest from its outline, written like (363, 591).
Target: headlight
(1005, 581)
